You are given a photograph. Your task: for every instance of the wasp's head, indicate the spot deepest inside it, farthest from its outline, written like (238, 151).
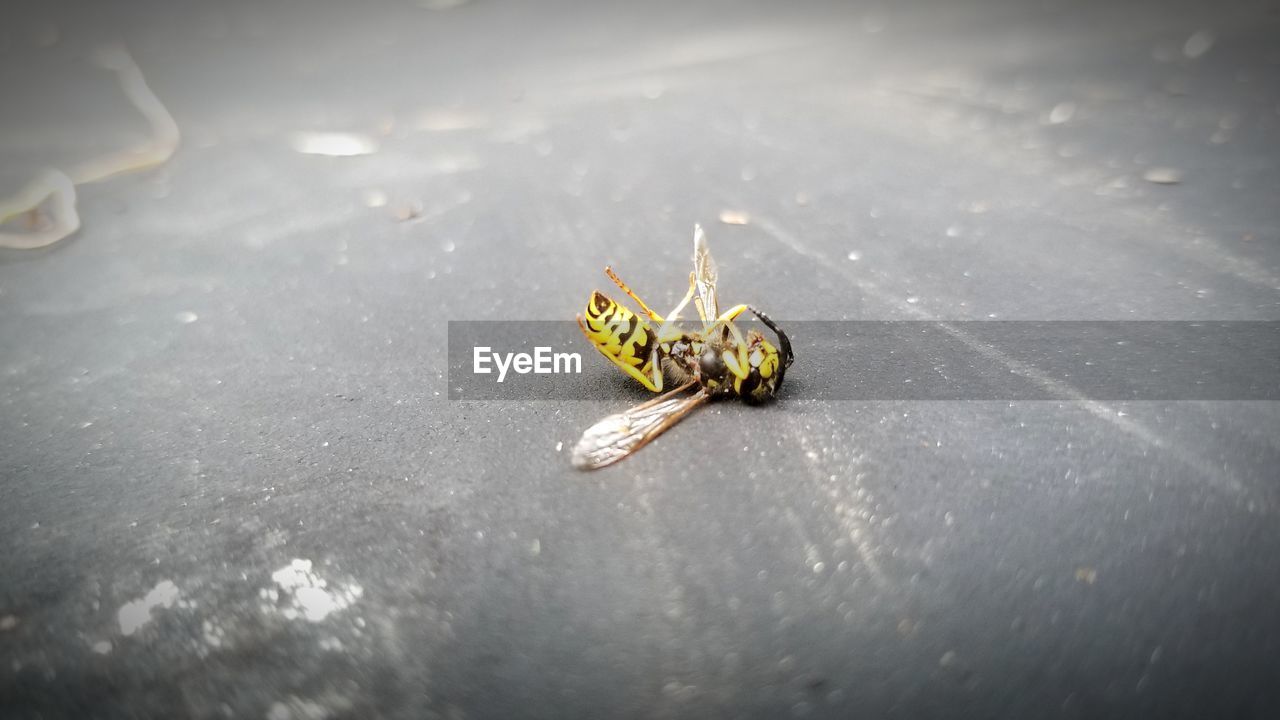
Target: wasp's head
(767, 364)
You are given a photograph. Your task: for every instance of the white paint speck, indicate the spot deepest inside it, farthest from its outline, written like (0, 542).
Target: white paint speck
(1163, 175)
(213, 633)
(1198, 44)
(559, 446)
(307, 594)
(854, 255)
(1062, 112)
(296, 708)
(450, 121)
(133, 615)
(102, 647)
(186, 317)
(441, 4)
(334, 144)
(913, 299)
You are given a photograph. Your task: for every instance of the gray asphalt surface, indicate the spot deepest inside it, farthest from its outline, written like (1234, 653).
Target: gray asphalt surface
(234, 486)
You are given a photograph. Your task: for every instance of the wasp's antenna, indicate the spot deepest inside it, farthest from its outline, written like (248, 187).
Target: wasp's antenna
(783, 341)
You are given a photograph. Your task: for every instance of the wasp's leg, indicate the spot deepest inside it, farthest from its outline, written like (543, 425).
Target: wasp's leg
(702, 314)
(736, 359)
(727, 320)
(731, 314)
(675, 312)
(653, 381)
(656, 363)
(667, 331)
(618, 281)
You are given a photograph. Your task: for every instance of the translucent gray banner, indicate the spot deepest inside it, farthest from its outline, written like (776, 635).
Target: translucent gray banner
(911, 360)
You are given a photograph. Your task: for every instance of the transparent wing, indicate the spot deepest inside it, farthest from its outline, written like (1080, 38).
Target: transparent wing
(704, 271)
(617, 436)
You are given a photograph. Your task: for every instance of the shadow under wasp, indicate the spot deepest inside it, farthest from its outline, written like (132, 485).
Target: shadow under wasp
(715, 361)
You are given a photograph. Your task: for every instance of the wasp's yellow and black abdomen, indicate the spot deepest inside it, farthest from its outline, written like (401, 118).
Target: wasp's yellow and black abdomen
(623, 337)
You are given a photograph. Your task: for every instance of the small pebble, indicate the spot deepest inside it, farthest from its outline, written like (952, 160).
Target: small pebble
(406, 212)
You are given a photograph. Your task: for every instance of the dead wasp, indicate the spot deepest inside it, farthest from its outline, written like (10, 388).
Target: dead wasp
(717, 359)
